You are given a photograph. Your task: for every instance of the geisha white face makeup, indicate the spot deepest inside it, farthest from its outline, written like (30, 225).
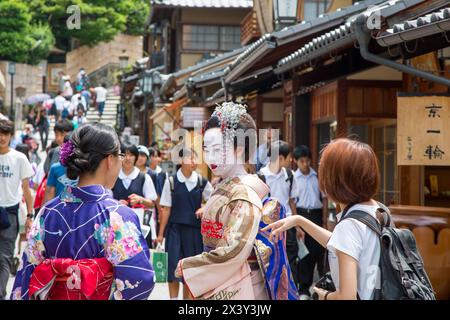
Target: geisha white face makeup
(221, 161)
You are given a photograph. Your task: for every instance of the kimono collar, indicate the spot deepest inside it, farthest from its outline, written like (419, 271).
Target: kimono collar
(90, 193)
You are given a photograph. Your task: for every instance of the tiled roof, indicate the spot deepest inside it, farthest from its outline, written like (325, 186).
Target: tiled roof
(205, 3)
(303, 29)
(427, 25)
(337, 38)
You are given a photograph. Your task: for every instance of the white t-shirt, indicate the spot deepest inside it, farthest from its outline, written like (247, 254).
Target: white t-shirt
(14, 167)
(148, 189)
(361, 243)
(68, 91)
(101, 94)
(191, 183)
(59, 102)
(280, 186)
(75, 100)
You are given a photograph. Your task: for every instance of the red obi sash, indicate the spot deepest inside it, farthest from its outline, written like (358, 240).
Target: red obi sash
(67, 279)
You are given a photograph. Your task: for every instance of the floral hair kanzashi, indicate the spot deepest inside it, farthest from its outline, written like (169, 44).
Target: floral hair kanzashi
(67, 150)
(229, 115)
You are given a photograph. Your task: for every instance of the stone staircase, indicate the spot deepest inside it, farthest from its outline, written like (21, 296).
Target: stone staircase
(110, 112)
(109, 118)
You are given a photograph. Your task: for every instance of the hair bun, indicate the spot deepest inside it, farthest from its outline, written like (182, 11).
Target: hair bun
(92, 143)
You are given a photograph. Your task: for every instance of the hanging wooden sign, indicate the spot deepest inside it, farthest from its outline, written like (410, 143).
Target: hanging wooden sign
(423, 129)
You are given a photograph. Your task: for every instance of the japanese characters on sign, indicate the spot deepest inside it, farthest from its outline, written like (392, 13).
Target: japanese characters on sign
(423, 129)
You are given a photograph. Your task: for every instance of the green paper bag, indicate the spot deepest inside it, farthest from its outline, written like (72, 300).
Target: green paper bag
(160, 265)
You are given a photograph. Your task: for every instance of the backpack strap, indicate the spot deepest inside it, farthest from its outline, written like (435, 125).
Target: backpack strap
(365, 218)
(141, 176)
(290, 178)
(171, 183)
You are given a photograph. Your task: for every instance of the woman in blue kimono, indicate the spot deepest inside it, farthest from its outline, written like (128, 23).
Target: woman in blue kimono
(84, 244)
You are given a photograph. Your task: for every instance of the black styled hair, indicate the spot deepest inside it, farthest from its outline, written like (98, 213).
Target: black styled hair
(63, 126)
(154, 145)
(187, 152)
(25, 149)
(302, 152)
(6, 126)
(281, 147)
(131, 148)
(244, 124)
(93, 142)
(154, 152)
(104, 85)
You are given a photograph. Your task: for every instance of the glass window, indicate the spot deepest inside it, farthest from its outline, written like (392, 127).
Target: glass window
(206, 37)
(314, 8)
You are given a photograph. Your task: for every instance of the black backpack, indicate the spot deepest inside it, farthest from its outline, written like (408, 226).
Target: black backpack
(403, 276)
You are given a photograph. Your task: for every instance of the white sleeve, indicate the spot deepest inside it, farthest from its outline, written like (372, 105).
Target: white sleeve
(149, 189)
(166, 194)
(347, 237)
(207, 191)
(26, 170)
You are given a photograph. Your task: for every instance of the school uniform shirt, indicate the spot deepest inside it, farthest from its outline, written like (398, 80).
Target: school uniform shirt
(148, 189)
(279, 185)
(191, 183)
(158, 170)
(14, 167)
(306, 190)
(355, 239)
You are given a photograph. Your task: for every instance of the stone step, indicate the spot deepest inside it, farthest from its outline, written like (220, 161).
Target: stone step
(104, 112)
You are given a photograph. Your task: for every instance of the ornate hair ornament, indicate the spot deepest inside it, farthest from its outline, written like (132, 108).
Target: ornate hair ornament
(67, 150)
(229, 115)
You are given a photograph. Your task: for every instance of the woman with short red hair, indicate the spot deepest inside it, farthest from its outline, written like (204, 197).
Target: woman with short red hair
(349, 176)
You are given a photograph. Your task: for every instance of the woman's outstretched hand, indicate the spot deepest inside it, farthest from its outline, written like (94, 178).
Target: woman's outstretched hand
(277, 228)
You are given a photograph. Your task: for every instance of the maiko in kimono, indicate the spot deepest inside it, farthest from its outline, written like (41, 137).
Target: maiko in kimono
(239, 260)
(84, 245)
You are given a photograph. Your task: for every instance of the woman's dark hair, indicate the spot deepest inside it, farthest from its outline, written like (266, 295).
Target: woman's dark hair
(130, 148)
(280, 147)
(6, 126)
(302, 152)
(154, 152)
(246, 124)
(93, 143)
(25, 149)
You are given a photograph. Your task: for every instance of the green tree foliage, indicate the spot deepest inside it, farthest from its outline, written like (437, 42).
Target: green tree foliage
(30, 28)
(20, 39)
(100, 20)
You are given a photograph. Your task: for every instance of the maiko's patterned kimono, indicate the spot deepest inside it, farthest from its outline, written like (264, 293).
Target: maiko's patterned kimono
(85, 245)
(239, 261)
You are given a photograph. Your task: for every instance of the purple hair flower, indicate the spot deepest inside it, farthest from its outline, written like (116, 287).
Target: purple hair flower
(67, 150)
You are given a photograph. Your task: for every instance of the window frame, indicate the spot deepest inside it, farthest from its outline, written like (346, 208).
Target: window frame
(219, 26)
(318, 3)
